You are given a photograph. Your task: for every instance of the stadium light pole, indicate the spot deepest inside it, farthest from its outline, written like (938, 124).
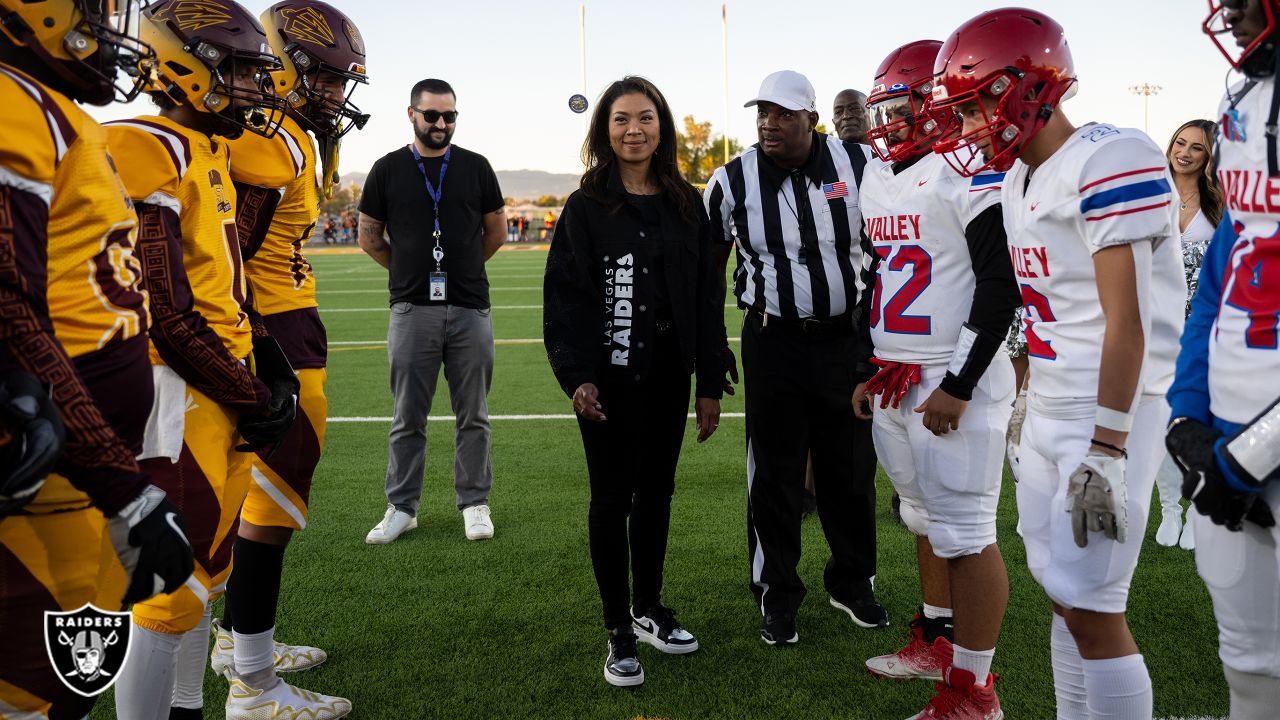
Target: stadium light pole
(724, 43)
(582, 52)
(1146, 90)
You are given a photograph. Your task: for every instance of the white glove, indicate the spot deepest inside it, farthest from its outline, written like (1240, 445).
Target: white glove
(1097, 498)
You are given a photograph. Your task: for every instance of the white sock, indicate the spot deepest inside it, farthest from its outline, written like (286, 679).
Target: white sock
(146, 681)
(193, 655)
(933, 613)
(254, 656)
(1119, 688)
(977, 662)
(1068, 673)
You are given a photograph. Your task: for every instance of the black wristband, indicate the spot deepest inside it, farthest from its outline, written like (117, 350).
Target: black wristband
(1109, 446)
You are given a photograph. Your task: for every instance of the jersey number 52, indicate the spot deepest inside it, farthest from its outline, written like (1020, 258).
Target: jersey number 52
(895, 318)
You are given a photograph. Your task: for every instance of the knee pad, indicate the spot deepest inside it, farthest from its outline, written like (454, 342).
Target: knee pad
(950, 542)
(172, 614)
(1253, 696)
(915, 517)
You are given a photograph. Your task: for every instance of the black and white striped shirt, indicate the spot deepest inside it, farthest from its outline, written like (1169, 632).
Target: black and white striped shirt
(797, 232)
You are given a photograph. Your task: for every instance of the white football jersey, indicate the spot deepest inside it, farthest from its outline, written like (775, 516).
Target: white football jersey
(1244, 364)
(1105, 186)
(916, 222)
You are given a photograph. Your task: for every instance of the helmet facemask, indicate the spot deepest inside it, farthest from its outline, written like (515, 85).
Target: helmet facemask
(901, 108)
(316, 107)
(1256, 60)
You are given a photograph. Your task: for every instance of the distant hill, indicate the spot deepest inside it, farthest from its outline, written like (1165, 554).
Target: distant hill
(518, 184)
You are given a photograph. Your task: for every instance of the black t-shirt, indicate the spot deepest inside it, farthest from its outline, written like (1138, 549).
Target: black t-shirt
(396, 194)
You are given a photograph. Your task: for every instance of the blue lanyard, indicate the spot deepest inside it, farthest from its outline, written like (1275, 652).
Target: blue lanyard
(433, 191)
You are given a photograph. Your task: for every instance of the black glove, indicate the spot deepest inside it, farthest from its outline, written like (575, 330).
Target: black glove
(31, 437)
(267, 428)
(150, 538)
(1192, 445)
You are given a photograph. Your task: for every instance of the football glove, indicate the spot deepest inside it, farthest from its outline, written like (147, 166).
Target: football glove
(892, 382)
(31, 437)
(1193, 446)
(1097, 498)
(150, 538)
(270, 425)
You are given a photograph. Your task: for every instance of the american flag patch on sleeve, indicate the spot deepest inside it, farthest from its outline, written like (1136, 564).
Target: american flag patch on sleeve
(835, 190)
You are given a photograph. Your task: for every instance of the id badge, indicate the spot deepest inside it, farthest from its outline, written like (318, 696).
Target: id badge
(438, 291)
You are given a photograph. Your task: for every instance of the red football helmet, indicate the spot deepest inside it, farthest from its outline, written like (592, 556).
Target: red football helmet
(1014, 65)
(900, 100)
(1216, 25)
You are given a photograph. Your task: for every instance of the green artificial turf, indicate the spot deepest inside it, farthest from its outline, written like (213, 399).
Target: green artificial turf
(434, 626)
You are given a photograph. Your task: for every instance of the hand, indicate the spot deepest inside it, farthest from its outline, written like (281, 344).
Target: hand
(1192, 445)
(150, 538)
(1097, 498)
(587, 404)
(730, 371)
(31, 438)
(707, 413)
(942, 412)
(861, 402)
(270, 426)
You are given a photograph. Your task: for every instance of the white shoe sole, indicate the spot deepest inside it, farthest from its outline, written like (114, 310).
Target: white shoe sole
(899, 677)
(616, 681)
(781, 643)
(371, 539)
(480, 535)
(668, 648)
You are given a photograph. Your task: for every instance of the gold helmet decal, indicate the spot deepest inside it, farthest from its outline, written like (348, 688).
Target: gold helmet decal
(196, 15)
(308, 25)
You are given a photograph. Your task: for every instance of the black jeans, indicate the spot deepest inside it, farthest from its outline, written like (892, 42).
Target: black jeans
(798, 390)
(631, 459)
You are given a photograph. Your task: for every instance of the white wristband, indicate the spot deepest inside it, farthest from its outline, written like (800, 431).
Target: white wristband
(1113, 419)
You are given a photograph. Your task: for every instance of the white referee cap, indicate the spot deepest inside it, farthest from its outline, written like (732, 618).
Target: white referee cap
(789, 89)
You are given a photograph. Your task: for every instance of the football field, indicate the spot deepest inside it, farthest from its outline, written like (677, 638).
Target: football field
(434, 626)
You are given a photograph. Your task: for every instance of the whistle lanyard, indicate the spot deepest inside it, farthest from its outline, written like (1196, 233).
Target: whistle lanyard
(434, 192)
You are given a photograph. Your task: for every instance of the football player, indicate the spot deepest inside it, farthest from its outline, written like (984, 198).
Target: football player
(944, 297)
(73, 317)
(323, 59)
(211, 79)
(1094, 240)
(1226, 420)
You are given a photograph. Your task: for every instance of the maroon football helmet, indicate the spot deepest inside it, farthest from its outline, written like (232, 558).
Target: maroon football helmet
(311, 38)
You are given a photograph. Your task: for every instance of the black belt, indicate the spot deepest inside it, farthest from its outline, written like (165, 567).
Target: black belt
(838, 325)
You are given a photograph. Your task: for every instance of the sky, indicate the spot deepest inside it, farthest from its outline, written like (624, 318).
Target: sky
(515, 63)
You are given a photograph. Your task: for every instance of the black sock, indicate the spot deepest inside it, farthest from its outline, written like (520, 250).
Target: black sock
(226, 622)
(253, 591)
(179, 713)
(933, 628)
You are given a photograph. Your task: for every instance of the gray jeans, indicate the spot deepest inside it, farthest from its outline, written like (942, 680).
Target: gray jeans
(419, 338)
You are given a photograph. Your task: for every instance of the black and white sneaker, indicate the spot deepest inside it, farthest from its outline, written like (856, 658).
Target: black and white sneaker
(622, 668)
(863, 608)
(779, 629)
(658, 627)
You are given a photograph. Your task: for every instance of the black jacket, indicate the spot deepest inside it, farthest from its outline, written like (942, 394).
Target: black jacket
(592, 329)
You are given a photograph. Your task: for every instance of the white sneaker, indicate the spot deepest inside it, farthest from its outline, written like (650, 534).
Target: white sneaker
(394, 524)
(282, 701)
(477, 522)
(1188, 539)
(1170, 526)
(288, 658)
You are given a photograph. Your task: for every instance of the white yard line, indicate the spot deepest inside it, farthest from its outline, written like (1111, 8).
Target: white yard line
(383, 291)
(451, 418)
(500, 341)
(495, 307)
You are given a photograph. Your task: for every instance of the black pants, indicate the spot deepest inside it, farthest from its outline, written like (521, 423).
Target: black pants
(631, 459)
(798, 387)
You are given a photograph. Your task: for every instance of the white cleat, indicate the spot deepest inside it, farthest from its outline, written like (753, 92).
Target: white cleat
(1188, 539)
(477, 522)
(283, 701)
(1170, 526)
(288, 658)
(394, 524)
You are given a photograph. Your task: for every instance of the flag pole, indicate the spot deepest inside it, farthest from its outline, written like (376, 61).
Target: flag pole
(724, 42)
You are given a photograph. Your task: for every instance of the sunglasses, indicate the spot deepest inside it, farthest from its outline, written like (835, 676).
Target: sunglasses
(431, 116)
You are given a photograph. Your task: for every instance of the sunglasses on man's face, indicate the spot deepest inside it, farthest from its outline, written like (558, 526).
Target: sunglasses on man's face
(431, 116)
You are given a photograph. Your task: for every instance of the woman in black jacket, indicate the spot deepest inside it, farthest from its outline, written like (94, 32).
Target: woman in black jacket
(632, 306)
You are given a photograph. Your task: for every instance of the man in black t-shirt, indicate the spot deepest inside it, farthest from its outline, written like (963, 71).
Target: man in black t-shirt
(442, 211)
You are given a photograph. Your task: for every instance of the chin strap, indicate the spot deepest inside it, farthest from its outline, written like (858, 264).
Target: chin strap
(329, 147)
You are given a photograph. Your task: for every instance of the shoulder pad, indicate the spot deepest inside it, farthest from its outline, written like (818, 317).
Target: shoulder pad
(269, 162)
(37, 131)
(151, 158)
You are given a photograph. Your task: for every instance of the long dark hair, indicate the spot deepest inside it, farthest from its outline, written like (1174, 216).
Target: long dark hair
(597, 153)
(1211, 201)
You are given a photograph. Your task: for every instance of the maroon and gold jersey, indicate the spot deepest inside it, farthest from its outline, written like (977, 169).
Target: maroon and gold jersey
(54, 150)
(171, 166)
(279, 274)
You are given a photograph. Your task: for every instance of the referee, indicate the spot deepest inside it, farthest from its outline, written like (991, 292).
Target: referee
(790, 204)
